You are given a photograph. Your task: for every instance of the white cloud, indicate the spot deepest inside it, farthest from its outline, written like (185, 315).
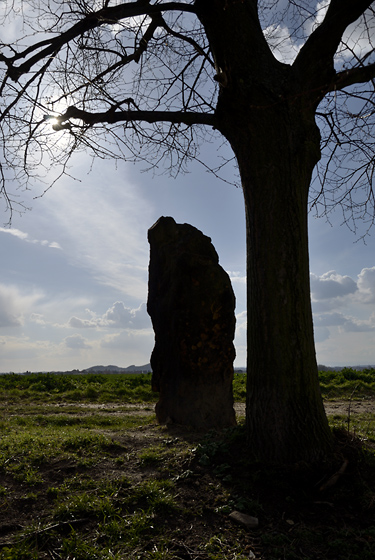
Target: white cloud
(347, 348)
(76, 342)
(128, 339)
(14, 305)
(366, 284)
(315, 18)
(357, 325)
(77, 323)
(15, 232)
(104, 228)
(331, 285)
(117, 316)
(341, 307)
(37, 318)
(19, 352)
(140, 22)
(345, 323)
(281, 43)
(10, 314)
(240, 339)
(355, 43)
(329, 319)
(321, 10)
(236, 277)
(331, 289)
(25, 237)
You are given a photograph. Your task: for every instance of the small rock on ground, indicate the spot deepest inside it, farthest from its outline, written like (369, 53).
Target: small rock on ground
(245, 520)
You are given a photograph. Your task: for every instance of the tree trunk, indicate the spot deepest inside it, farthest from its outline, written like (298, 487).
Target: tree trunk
(276, 150)
(267, 115)
(285, 414)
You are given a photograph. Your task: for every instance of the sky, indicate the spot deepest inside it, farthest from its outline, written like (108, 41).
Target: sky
(73, 283)
(73, 286)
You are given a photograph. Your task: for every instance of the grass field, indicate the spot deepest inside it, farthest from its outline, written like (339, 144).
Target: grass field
(86, 473)
(137, 388)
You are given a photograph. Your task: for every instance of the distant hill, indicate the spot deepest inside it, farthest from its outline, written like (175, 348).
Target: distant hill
(133, 369)
(115, 369)
(147, 368)
(339, 368)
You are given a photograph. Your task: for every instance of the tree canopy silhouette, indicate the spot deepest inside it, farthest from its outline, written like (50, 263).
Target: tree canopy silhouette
(289, 84)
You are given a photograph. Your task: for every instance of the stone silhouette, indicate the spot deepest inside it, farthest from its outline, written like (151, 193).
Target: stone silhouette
(191, 304)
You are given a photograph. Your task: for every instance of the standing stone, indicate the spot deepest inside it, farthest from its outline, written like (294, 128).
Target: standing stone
(191, 304)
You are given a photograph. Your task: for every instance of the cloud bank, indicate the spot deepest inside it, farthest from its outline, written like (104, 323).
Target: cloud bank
(15, 305)
(118, 316)
(344, 316)
(25, 237)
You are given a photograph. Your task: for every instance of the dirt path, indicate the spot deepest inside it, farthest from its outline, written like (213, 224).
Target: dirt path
(365, 406)
(341, 407)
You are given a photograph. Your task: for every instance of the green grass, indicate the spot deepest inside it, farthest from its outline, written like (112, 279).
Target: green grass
(362, 425)
(88, 387)
(125, 512)
(91, 478)
(344, 384)
(126, 388)
(239, 387)
(23, 454)
(82, 388)
(347, 382)
(29, 440)
(67, 466)
(334, 384)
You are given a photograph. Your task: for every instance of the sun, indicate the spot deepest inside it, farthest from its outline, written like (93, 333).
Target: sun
(51, 119)
(50, 127)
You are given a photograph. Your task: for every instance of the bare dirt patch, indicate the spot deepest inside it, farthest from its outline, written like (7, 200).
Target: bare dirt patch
(340, 407)
(107, 408)
(345, 407)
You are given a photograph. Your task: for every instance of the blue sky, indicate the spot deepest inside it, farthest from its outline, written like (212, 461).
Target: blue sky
(73, 288)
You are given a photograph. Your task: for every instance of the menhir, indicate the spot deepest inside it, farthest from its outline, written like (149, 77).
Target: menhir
(191, 304)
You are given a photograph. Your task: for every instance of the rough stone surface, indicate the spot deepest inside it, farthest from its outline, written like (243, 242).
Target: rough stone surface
(191, 304)
(243, 519)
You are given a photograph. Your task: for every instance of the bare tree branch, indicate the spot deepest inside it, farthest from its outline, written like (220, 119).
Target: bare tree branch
(315, 61)
(140, 74)
(361, 74)
(107, 15)
(112, 116)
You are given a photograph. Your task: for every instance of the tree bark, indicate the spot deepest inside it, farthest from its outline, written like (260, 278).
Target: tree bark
(268, 117)
(285, 414)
